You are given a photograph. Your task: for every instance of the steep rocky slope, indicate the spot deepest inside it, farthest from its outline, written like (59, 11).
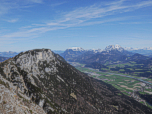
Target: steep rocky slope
(12, 102)
(44, 79)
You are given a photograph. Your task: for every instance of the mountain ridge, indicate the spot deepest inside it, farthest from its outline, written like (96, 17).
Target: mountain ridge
(8, 54)
(73, 53)
(57, 87)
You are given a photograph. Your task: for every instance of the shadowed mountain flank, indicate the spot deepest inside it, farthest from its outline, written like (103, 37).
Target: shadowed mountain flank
(45, 79)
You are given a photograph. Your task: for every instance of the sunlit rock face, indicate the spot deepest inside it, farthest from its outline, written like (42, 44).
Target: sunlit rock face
(11, 103)
(33, 59)
(40, 81)
(26, 71)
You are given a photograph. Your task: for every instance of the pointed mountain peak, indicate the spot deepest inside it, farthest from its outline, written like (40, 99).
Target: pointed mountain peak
(114, 47)
(76, 49)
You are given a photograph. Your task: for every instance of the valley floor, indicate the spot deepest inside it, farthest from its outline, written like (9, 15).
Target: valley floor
(132, 86)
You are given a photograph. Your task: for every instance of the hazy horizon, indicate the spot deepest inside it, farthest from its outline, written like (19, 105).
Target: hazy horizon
(80, 47)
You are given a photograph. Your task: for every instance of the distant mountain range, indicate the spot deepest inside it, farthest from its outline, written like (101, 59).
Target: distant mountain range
(111, 52)
(8, 54)
(42, 82)
(3, 58)
(12, 54)
(58, 51)
(78, 50)
(130, 48)
(118, 47)
(144, 51)
(74, 52)
(109, 58)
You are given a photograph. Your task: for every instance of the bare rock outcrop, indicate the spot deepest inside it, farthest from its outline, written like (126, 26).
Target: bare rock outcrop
(40, 81)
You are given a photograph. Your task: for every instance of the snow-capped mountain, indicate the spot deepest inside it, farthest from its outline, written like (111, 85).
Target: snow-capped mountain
(83, 50)
(114, 47)
(72, 53)
(145, 48)
(8, 54)
(130, 48)
(76, 49)
(95, 50)
(144, 51)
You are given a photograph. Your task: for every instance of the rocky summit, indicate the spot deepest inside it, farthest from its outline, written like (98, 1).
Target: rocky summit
(42, 82)
(114, 47)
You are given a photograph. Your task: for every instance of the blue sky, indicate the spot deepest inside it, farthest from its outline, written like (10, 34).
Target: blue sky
(60, 24)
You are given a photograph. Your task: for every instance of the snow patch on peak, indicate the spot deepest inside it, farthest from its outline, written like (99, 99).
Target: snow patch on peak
(117, 46)
(76, 49)
(148, 48)
(131, 49)
(128, 48)
(114, 47)
(95, 50)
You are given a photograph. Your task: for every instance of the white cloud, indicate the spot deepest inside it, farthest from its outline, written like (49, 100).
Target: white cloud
(85, 14)
(57, 4)
(7, 5)
(12, 20)
(36, 1)
(131, 23)
(79, 17)
(96, 11)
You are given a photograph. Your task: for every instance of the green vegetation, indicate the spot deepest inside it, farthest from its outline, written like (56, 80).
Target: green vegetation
(121, 70)
(149, 105)
(31, 111)
(142, 92)
(149, 90)
(119, 94)
(132, 62)
(124, 84)
(131, 67)
(117, 81)
(104, 69)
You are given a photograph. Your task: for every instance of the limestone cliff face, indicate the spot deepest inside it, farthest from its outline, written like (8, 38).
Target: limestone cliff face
(25, 71)
(41, 81)
(12, 102)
